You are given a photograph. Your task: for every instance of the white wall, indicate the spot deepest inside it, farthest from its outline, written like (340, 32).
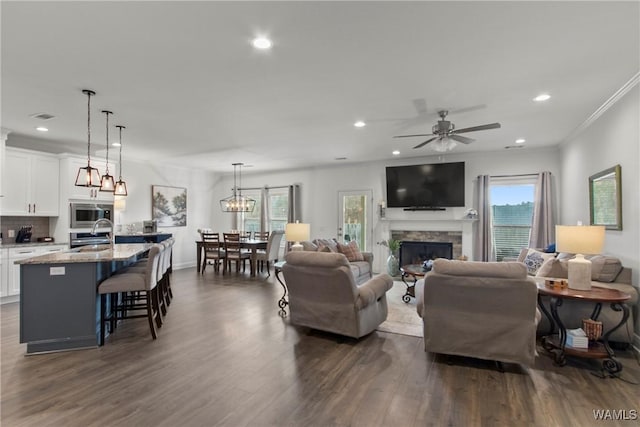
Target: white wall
(199, 184)
(320, 186)
(612, 139)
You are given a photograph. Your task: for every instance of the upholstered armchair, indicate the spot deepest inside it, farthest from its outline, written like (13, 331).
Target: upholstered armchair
(323, 294)
(486, 310)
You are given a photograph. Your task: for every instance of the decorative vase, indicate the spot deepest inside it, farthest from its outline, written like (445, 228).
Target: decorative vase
(392, 265)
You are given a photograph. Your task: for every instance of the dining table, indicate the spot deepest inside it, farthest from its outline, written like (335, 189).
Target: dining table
(251, 244)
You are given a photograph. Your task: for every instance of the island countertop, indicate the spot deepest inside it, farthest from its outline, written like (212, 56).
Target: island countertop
(102, 253)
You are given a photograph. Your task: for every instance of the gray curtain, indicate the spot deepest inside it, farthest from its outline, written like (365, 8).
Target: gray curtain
(295, 213)
(542, 226)
(483, 250)
(264, 209)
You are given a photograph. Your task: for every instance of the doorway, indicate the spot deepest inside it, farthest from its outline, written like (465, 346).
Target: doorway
(355, 217)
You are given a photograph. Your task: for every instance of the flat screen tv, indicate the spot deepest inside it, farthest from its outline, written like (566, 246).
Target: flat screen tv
(438, 185)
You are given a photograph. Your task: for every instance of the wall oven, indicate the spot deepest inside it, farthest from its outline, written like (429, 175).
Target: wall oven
(83, 215)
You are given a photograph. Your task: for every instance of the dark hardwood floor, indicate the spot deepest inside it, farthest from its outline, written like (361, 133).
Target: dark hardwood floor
(225, 357)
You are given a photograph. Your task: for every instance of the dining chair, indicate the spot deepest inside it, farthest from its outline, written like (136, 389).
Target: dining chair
(261, 235)
(214, 252)
(245, 235)
(273, 250)
(234, 252)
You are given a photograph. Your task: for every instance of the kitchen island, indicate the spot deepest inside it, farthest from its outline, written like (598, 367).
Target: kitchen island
(59, 301)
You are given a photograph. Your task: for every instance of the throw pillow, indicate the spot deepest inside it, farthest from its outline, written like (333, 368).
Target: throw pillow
(323, 248)
(330, 243)
(604, 268)
(558, 269)
(351, 251)
(308, 246)
(534, 260)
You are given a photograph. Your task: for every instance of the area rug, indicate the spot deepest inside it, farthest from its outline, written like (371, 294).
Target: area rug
(403, 318)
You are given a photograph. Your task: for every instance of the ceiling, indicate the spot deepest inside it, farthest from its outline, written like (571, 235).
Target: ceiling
(192, 91)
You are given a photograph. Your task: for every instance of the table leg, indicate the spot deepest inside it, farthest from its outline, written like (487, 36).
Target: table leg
(282, 303)
(253, 261)
(559, 358)
(611, 364)
(198, 256)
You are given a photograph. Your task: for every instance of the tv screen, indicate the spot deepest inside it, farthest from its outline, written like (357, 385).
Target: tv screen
(437, 185)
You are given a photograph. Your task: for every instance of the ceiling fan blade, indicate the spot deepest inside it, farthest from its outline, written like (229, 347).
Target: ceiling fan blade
(426, 142)
(408, 136)
(476, 128)
(462, 139)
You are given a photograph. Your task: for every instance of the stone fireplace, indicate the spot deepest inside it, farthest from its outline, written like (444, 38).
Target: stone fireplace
(438, 238)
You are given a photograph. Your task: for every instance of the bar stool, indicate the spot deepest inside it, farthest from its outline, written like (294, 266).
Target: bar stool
(129, 281)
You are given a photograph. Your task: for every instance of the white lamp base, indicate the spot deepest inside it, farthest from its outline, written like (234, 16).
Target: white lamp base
(579, 274)
(298, 247)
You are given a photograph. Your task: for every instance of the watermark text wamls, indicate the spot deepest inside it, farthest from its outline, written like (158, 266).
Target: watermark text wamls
(615, 414)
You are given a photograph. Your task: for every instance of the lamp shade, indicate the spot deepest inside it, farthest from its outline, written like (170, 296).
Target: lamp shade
(297, 232)
(580, 239)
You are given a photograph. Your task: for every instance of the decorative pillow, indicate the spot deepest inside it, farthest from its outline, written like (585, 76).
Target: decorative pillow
(605, 268)
(558, 269)
(308, 246)
(534, 260)
(351, 251)
(323, 248)
(330, 243)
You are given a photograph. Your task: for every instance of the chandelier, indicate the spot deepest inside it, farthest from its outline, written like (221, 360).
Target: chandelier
(237, 202)
(106, 182)
(121, 186)
(89, 176)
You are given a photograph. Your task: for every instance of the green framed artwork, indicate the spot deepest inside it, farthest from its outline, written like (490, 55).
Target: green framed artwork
(605, 198)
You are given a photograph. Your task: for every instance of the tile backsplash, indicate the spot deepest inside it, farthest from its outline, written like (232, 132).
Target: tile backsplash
(40, 226)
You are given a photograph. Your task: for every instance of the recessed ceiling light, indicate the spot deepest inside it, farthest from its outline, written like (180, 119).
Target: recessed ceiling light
(542, 97)
(262, 43)
(359, 124)
(520, 140)
(42, 129)
(395, 152)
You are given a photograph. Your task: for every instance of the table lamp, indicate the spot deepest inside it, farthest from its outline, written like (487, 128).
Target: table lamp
(579, 240)
(297, 232)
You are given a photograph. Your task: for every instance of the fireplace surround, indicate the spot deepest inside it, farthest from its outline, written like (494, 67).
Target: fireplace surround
(412, 252)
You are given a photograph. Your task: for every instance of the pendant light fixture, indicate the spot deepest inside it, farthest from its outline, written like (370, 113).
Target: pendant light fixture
(106, 182)
(121, 186)
(89, 176)
(237, 202)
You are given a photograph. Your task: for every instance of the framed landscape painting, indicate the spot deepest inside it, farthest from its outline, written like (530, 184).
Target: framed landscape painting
(169, 206)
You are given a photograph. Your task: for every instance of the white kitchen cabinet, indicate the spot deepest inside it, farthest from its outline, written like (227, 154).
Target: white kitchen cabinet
(68, 179)
(13, 270)
(31, 184)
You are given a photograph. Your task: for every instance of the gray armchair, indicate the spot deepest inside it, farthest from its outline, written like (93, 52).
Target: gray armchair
(323, 294)
(486, 310)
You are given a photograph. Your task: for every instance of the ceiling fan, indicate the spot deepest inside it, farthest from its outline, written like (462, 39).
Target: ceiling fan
(445, 133)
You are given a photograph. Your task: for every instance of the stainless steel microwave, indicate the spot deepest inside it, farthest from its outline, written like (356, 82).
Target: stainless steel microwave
(83, 215)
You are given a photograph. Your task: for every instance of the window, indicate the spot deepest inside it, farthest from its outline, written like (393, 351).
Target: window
(251, 220)
(278, 208)
(511, 215)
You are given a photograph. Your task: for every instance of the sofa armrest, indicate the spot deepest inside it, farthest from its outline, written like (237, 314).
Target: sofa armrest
(373, 289)
(368, 256)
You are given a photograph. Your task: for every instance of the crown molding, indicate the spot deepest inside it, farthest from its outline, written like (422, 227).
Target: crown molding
(633, 81)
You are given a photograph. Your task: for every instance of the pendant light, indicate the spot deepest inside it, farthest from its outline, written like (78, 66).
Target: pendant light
(121, 186)
(237, 202)
(89, 176)
(106, 183)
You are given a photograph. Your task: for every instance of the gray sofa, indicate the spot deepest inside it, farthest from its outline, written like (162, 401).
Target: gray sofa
(361, 270)
(606, 273)
(485, 310)
(323, 294)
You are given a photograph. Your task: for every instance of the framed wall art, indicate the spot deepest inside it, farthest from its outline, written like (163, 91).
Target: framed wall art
(169, 206)
(605, 198)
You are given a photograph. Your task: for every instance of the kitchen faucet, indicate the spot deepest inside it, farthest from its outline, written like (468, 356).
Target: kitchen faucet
(111, 235)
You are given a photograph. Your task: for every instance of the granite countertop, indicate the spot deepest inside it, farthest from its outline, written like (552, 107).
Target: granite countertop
(13, 244)
(140, 233)
(100, 253)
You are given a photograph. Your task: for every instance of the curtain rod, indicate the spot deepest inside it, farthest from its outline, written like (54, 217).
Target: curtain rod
(511, 176)
(266, 186)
